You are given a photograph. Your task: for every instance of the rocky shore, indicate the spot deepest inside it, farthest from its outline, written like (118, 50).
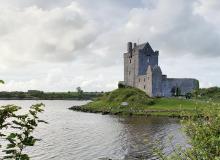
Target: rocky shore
(89, 110)
(173, 113)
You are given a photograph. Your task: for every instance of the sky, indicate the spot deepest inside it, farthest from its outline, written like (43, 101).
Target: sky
(58, 45)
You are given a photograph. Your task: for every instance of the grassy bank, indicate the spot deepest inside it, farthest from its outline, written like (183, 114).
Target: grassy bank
(140, 104)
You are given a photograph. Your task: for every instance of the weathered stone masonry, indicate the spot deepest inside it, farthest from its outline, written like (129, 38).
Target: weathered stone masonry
(141, 70)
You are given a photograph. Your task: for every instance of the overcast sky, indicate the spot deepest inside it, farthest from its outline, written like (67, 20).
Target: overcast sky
(57, 45)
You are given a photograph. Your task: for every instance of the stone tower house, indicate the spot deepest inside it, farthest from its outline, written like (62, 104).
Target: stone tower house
(141, 70)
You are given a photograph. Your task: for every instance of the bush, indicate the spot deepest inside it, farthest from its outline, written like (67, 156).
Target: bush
(188, 95)
(121, 85)
(203, 130)
(17, 130)
(151, 102)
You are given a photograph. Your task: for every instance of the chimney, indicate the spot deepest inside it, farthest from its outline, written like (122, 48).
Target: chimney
(157, 52)
(129, 48)
(135, 45)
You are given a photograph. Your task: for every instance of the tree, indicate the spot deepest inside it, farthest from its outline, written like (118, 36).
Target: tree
(2, 82)
(175, 91)
(178, 91)
(80, 92)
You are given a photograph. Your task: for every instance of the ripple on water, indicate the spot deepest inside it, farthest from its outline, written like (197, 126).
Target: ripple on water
(84, 136)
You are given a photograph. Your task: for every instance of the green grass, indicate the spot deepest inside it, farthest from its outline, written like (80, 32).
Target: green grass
(177, 103)
(141, 104)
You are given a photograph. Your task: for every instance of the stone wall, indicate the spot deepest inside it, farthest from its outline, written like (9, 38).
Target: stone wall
(185, 85)
(140, 82)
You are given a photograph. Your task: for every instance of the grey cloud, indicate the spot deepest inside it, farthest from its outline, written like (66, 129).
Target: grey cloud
(81, 42)
(39, 34)
(101, 5)
(175, 29)
(48, 4)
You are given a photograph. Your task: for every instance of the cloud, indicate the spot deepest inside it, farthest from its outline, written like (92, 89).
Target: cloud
(209, 10)
(34, 34)
(65, 77)
(61, 44)
(173, 26)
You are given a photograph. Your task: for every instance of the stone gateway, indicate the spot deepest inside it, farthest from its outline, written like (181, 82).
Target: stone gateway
(141, 70)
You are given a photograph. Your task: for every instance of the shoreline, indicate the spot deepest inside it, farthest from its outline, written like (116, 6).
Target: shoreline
(44, 99)
(147, 113)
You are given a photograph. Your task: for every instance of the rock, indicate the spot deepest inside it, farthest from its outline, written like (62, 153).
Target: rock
(105, 159)
(105, 112)
(124, 103)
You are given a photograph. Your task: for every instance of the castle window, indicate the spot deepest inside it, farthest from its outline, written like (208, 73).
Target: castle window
(144, 87)
(130, 61)
(129, 72)
(148, 60)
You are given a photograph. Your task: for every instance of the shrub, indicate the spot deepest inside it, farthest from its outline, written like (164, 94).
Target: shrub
(17, 130)
(121, 85)
(188, 95)
(203, 129)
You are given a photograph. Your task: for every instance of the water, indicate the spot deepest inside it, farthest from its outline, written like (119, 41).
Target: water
(85, 136)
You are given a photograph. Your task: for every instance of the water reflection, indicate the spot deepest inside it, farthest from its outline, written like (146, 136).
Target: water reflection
(144, 133)
(84, 136)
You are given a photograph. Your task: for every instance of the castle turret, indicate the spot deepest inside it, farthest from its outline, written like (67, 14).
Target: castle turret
(129, 48)
(157, 53)
(135, 45)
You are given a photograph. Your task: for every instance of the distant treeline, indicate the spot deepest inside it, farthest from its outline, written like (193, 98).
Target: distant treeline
(35, 94)
(212, 92)
(204, 93)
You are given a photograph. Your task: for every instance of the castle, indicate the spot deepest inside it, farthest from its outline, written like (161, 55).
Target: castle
(141, 70)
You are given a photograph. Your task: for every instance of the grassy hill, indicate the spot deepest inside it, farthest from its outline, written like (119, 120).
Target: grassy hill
(131, 95)
(139, 103)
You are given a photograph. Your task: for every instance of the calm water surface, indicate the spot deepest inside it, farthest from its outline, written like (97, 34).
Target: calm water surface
(85, 136)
